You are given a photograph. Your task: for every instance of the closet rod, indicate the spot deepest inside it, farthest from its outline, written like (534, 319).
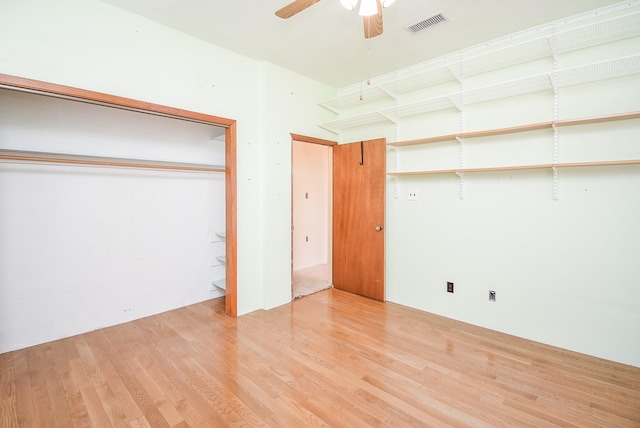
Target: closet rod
(58, 158)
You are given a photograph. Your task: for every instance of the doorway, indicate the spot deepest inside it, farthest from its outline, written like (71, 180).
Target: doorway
(311, 201)
(345, 219)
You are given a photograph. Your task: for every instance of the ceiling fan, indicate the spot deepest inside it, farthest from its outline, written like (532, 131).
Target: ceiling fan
(370, 10)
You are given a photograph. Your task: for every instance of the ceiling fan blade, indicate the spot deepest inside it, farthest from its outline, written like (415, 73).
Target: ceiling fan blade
(294, 7)
(373, 23)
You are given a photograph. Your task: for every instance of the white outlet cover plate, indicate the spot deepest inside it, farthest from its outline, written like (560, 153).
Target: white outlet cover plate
(413, 195)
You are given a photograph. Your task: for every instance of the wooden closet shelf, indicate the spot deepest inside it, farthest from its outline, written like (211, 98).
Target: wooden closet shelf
(58, 158)
(519, 167)
(519, 128)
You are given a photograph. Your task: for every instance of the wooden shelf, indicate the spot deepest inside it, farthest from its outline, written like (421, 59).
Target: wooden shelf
(519, 128)
(69, 159)
(519, 167)
(598, 119)
(472, 134)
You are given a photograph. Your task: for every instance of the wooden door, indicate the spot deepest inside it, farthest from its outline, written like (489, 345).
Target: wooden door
(359, 171)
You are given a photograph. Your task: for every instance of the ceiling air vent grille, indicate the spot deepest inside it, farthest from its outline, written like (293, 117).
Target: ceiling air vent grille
(426, 23)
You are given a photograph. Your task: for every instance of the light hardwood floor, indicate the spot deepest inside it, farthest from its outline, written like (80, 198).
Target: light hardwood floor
(329, 359)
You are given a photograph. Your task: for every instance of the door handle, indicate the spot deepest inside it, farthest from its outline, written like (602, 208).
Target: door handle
(378, 228)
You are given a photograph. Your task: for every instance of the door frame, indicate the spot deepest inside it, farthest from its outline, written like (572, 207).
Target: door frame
(311, 140)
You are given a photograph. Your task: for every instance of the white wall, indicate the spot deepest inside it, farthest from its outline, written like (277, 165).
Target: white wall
(311, 192)
(296, 112)
(566, 271)
(95, 46)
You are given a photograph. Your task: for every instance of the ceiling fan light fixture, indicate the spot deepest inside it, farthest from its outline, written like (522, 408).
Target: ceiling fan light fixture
(349, 4)
(368, 7)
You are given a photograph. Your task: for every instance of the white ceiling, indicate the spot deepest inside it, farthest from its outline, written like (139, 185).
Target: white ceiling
(326, 43)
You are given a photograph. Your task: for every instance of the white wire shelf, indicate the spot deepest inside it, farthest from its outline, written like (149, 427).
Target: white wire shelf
(498, 55)
(583, 74)
(508, 56)
(604, 70)
(412, 80)
(419, 107)
(351, 122)
(610, 30)
(351, 99)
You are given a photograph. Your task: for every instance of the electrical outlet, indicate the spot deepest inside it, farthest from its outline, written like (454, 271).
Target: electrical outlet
(413, 195)
(449, 287)
(492, 296)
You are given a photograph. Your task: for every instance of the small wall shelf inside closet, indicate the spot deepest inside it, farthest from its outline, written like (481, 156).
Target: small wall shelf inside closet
(225, 133)
(222, 259)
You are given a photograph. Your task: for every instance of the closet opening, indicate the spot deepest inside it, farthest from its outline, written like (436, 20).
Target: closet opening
(120, 191)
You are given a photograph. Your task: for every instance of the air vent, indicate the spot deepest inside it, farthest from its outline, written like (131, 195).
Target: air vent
(426, 23)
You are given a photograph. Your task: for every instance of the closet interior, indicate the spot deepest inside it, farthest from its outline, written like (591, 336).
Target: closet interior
(112, 209)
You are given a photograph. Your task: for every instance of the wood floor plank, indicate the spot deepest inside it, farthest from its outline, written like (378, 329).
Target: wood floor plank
(108, 361)
(99, 383)
(56, 394)
(38, 383)
(8, 412)
(75, 403)
(329, 359)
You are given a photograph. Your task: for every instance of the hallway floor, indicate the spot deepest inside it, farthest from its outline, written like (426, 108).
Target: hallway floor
(311, 280)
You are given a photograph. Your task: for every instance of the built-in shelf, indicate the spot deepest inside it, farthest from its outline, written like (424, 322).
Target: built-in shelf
(519, 167)
(519, 128)
(369, 93)
(547, 42)
(351, 122)
(70, 159)
(516, 129)
(220, 283)
(550, 82)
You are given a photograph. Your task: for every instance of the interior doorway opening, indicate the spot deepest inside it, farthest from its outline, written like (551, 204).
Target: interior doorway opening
(312, 207)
